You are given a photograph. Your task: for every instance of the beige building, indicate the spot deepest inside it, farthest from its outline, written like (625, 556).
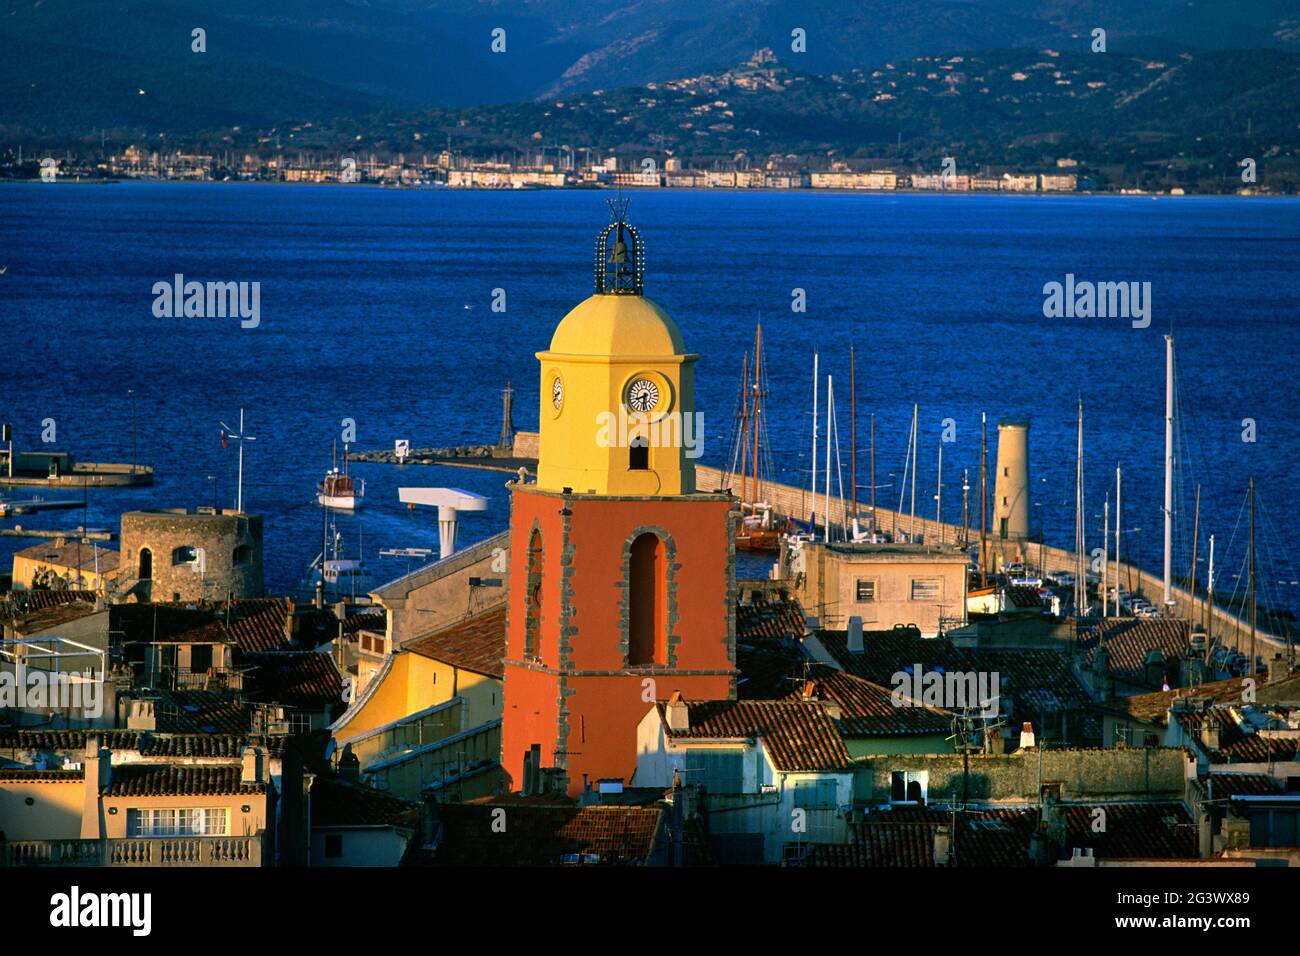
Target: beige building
(1011, 487)
(882, 584)
(93, 813)
(68, 563)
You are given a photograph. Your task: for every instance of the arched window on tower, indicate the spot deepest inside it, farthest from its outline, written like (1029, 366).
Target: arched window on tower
(146, 564)
(638, 454)
(647, 614)
(533, 622)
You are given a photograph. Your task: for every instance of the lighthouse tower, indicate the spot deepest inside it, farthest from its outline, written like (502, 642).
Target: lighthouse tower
(622, 574)
(1011, 488)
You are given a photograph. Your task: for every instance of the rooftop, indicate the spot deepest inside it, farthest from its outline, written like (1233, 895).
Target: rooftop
(798, 735)
(475, 644)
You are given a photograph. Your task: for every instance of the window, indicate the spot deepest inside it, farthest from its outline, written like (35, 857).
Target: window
(926, 589)
(299, 723)
(146, 564)
(200, 658)
(638, 456)
(333, 845)
(908, 786)
(1002, 527)
(185, 554)
(717, 771)
(533, 622)
(647, 598)
(866, 591)
(815, 795)
(188, 821)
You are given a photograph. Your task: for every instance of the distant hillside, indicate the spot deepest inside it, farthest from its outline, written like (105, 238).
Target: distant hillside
(75, 66)
(994, 107)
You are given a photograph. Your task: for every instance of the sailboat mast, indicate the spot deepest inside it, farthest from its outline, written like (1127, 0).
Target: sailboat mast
(853, 432)
(984, 508)
(1196, 532)
(938, 498)
(812, 513)
(744, 431)
(911, 528)
(1251, 673)
(1080, 539)
(758, 395)
(1169, 462)
(1208, 610)
(830, 404)
(873, 472)
(1105, 561)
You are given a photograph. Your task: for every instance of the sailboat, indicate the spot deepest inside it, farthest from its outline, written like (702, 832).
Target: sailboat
(332, 575)
(340, 490)
(760, 527)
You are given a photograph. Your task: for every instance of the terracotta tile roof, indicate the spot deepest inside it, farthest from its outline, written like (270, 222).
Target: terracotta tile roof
(366, 619)
(1159, 831)
(1023, 598)
(885, 653)
(904, 837)
(258, 624)
(867, 709)
(543, 835)
(165, 624)
(306, 679)
(798, 735)
(71, 554)
(36, 600)
(199, 712)
(12, 775)
(1128, 640)
(1219, 785)
(52, 616)
(1037, 681)
(766, 621)
(337, 803)
(1153, 707)
(1253, 748)
(475, 644)
(170, 780)
(145, 743)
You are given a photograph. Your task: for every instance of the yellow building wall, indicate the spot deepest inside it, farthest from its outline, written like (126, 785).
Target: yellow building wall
(415, 683)
(55, 812)
(24, 569)
(242, 823)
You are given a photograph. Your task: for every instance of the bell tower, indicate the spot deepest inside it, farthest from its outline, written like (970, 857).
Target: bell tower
(622, 574)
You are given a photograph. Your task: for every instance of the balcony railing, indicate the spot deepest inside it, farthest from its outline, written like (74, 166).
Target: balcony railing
(135, 851)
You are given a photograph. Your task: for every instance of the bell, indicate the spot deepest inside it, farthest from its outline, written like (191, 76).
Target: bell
(619, 254)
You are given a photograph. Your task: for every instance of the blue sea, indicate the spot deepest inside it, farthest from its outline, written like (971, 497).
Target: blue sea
(376, 306)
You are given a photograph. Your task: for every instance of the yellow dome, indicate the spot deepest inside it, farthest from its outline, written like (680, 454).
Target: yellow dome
(617, 325)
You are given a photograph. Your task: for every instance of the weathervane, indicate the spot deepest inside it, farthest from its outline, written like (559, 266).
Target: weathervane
(619, 266)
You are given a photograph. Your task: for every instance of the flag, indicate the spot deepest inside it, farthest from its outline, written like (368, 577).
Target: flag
(223, 439)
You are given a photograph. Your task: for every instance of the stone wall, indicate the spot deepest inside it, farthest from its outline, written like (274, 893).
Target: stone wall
(1139, 773)
(231, 545)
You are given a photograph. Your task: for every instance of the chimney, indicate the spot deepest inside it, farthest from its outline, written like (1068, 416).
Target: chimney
(677, 712)
(254, 767)
(855, 635)
(1155, 667)
(1205, 831)
(942, 846)
(98, 762)
(1027, 741)
(290, 623)
(349, 765)
(142, 715)
(1210, 732)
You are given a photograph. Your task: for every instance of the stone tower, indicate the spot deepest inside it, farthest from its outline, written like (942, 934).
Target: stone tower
(1011, 487)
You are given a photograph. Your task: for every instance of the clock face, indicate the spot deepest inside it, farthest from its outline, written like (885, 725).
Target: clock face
(557, 393)
(642, 395)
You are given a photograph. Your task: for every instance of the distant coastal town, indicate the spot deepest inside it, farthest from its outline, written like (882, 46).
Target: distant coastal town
(450, 170)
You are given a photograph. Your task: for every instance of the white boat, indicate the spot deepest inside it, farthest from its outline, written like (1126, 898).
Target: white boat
(339, 489)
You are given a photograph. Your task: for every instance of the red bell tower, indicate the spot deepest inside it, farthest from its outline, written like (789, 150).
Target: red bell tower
(622, 575)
